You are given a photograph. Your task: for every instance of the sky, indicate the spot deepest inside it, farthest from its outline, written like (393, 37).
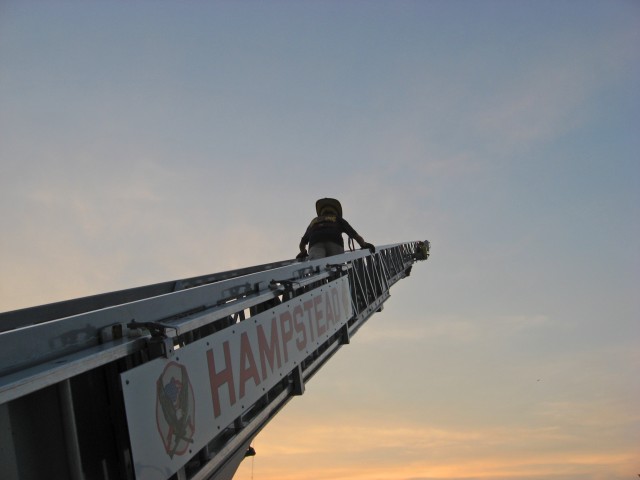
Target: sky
(143, 142)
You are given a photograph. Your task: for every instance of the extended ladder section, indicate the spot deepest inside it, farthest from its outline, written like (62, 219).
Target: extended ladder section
(174, 380)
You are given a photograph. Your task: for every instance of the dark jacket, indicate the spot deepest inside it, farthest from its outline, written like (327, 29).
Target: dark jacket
(328, 228)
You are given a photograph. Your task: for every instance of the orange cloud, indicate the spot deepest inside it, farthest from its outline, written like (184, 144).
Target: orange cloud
(340, 450)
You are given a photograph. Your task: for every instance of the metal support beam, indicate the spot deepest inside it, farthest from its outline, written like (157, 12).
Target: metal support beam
(70, 430)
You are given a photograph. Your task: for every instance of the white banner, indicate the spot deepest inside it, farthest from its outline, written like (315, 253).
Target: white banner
(176, 406)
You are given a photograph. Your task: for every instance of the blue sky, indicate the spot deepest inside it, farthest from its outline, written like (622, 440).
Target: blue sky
(148, 141)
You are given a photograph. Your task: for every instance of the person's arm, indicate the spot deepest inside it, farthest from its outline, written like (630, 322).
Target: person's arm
(364, 244)
(349, 230)
(303, 245)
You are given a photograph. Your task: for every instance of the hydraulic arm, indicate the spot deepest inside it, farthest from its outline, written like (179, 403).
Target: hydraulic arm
(174, 380)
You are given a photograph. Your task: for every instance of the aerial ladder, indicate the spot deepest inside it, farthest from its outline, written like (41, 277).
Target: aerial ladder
(175, 380)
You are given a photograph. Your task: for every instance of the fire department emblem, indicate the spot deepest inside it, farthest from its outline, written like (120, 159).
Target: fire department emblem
(175, 409)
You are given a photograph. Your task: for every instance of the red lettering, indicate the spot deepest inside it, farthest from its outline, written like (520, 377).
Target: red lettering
(308, 306)
(248, 367)
(331, 319)
(269, 351)
(287, 334)
(301, 341)
(318, 311)
(217, 379)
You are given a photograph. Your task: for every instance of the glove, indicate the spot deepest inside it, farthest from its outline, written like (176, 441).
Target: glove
(370, 246)
(302, 255)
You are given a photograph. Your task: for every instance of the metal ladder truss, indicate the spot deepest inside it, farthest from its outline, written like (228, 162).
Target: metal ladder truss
(88, 385)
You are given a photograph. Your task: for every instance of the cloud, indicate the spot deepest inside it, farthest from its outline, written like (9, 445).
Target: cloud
(451, 328)
(555, 93)
(361, 449)
(605, 414)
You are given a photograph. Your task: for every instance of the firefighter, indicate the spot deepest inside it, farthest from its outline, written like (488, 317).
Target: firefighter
(324, 233)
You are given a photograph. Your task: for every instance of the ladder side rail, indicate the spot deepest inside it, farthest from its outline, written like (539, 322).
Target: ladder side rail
(44, 313)
(32, 378)
(403, 258)
(395, 264)
(385, 270)
(369, 279)
(363, 293)
(42, 342)
(378, 275)
(358, 286)
(400, 258)
(393, 260)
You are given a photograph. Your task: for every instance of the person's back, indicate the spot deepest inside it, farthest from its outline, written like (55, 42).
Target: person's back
(324, 233)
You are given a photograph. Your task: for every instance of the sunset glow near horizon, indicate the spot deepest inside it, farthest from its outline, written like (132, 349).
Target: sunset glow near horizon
(142, 142)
